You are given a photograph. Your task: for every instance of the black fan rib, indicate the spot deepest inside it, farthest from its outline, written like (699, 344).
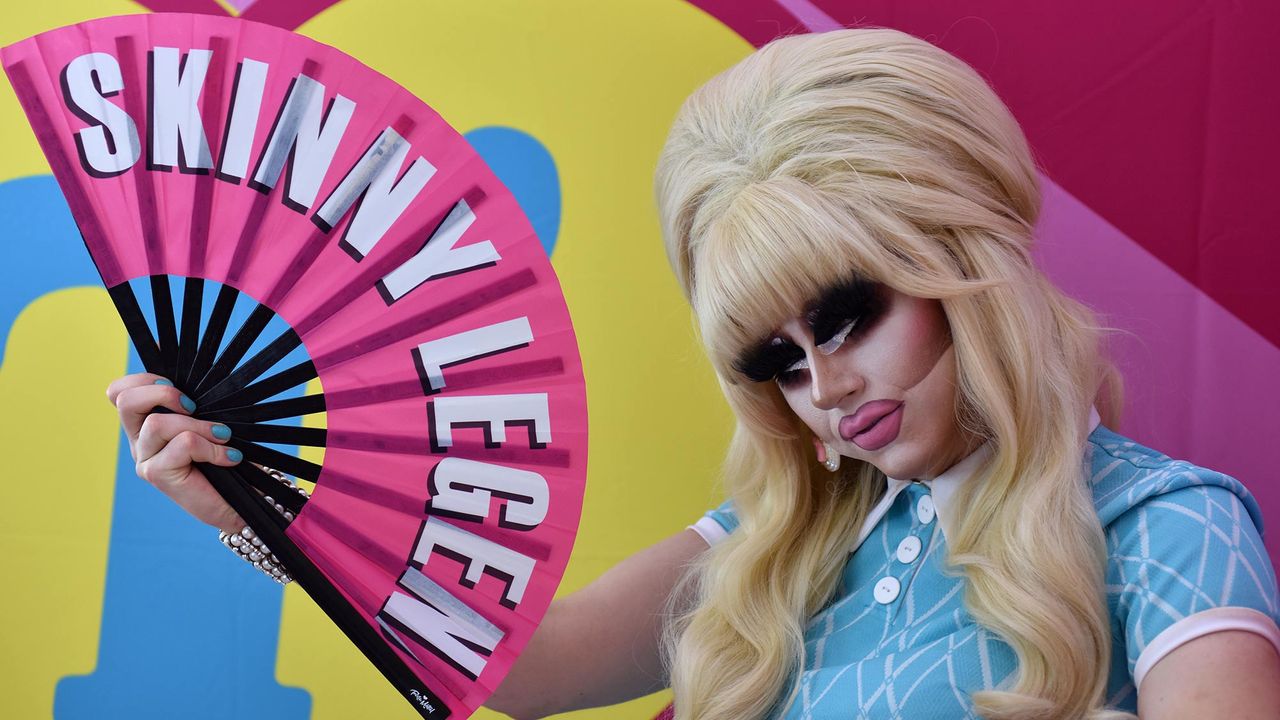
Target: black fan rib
(284, 462)
(279, 434)
(274, 410)
(230, 483)
(252, 369)
(287, 379)
(214, 331)
(236, 349)
(189, 330)
(166, 327)
(136, 325)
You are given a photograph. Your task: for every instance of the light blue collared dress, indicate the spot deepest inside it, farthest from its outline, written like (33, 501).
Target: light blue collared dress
(1185, 558)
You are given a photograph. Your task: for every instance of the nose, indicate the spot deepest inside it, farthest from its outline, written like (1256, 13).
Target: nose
(831, 379)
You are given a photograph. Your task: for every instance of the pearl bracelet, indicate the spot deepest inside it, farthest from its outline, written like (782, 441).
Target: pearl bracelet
(249, 546)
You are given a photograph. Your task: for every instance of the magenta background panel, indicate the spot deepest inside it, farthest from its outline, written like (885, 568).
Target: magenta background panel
(1199, 381)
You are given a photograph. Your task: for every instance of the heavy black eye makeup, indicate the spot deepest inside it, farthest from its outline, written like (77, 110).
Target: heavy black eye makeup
(769, 360)
(845, 311)
(849, 308)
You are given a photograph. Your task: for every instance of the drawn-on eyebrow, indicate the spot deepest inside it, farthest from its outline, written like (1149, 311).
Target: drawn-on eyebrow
(768, 359)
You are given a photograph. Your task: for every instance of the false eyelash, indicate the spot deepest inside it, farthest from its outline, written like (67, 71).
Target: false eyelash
(849, 307)
(838, 338)
(787, 378)
(769, 360)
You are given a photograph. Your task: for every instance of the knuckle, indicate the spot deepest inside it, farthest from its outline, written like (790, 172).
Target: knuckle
(182, 441)
(186, 441)
(151, 425)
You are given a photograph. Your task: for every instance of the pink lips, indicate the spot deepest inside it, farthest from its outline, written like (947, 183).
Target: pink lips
(874, 425)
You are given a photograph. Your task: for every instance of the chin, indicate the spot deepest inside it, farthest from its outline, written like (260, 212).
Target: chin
(898, 462)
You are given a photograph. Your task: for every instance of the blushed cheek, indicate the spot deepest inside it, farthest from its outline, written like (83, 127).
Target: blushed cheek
(937, 385)
(929, 418)
(926, 342)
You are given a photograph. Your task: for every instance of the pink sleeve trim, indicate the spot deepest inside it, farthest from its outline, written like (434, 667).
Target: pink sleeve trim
(1200, 624)
(710, 530)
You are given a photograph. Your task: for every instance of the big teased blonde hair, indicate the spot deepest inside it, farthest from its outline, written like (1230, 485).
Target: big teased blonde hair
(872, 151)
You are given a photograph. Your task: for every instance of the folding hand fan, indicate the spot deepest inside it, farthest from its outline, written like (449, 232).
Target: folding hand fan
(265, 212)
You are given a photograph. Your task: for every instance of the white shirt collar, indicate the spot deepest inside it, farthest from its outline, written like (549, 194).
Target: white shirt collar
(942, 488)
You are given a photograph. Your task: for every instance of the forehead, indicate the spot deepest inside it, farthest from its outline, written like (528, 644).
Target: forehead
(758, 266)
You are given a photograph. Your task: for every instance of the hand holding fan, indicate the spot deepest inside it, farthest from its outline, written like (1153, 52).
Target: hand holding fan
(267, 212)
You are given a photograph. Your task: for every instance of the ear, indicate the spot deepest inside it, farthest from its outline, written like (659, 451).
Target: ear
(820, 449)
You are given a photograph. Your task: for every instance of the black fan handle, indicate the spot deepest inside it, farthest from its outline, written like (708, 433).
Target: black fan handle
(270, 526)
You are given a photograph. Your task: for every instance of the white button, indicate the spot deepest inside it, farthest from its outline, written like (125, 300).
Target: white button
(887, 590)
(908, 549)
(924, 509)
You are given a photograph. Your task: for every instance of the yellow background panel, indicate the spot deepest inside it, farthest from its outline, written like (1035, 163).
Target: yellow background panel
(59, 462)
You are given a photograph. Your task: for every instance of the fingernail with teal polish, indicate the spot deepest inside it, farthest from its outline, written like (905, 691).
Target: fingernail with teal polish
(164, 382)
(187, 403)
(234, 455)
(221, 432)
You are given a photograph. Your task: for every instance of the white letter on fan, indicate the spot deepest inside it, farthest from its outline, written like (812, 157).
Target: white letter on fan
(88, 81)
(251, 79)
(299, 130)
(439, 257)
(174, 111)
(476, 555)
(465, 487)
(494, 411)
(442, 623)
(460, 347)
(374, 177)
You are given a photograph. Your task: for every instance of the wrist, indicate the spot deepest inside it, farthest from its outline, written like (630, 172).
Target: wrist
(232, 526)
(237, 536)
(249, 546)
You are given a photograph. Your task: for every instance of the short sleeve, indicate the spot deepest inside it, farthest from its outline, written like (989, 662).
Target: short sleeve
(1183, 564)
(717, 523)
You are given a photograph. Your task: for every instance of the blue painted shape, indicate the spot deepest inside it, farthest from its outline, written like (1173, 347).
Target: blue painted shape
(527, 169)
(188, 629)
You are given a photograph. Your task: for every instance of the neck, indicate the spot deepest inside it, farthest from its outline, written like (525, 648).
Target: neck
(964, 446)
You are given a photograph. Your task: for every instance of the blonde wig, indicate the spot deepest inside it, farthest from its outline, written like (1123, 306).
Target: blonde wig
(874, 152)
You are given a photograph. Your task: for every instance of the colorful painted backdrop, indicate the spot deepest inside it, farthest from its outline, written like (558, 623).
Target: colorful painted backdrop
(1153, 125)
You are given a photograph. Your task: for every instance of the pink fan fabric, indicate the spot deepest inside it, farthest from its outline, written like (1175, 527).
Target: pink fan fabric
(451, 487)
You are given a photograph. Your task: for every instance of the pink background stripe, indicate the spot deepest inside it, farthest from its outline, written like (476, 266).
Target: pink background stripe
(1200, 383)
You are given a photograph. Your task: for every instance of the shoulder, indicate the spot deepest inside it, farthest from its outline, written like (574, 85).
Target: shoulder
(1125, 476)
(1185, 552)
(717, 523)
